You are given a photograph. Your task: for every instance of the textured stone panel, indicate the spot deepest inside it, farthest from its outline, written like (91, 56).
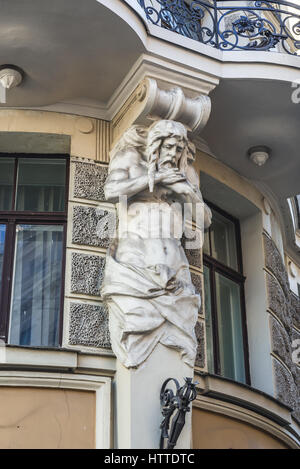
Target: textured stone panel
(296, 376)
(89, 325)
(194, 256)
(295, 309)
(89, 181)
(277, 302)
(200, 357)
(197, 282)
(275, 264)
(86, 274)
(286, 390)
(93, 226)
(281, 342)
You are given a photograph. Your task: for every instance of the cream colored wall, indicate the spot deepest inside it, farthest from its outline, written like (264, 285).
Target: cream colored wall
(41, 418)
(229, 177)
(90, 138)
(215, 431)
(258, 329)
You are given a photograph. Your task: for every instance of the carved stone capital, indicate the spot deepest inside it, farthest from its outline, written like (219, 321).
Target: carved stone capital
(172, 104)
(156, 99)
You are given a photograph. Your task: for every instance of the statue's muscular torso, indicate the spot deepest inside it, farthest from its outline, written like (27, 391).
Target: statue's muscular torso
(154, 225)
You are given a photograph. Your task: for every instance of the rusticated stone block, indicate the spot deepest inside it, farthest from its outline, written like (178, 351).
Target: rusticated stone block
(277, 302)
(281, 342)
(89, 181)
(87, 274)
(274, 263)
(295, 309)
(93, 226)
(286, 390)
(192, 245)
(197, 282)
(194, 257)
(89, 325)
(200, 333)
(296, 376)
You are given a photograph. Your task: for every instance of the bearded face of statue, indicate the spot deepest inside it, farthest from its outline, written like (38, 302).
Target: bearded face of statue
(170, 152)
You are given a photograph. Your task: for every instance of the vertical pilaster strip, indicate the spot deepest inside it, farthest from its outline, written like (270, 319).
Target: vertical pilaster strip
(103, 142)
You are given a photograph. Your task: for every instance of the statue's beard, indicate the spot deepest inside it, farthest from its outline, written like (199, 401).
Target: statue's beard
(167, 163)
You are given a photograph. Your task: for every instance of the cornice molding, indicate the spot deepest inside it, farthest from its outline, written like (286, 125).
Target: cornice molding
(167, 74)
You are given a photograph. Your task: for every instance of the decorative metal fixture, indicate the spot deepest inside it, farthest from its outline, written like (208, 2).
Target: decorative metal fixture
(259, 155)
(10, 76)
(170, 403)
(256, 25)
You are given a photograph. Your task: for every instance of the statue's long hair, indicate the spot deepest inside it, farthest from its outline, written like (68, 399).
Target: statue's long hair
(188, 157)
(157, 133)
(135, 136)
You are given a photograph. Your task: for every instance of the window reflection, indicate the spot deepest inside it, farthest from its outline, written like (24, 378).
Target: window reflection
(230, 328)
(223, 240)
(36, 285)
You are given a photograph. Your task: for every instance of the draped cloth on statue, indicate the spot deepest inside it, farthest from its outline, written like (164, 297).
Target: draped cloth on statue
(149, 304)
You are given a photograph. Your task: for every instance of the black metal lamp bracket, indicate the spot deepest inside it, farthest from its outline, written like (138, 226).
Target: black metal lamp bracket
(179, 404)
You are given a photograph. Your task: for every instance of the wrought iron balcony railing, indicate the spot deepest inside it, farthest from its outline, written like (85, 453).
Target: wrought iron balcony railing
(231, 24)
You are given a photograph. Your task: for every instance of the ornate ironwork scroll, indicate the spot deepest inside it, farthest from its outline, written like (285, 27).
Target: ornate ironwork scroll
(231, 24)
(179, 402)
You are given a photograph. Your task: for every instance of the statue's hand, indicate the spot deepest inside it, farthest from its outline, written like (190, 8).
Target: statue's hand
(169, 176)
(187, 191)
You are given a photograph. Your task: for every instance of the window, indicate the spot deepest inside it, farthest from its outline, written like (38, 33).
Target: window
(32, 238)
(224, 299)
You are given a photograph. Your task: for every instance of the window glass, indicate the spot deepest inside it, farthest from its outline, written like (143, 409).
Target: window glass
(41, 185)
(208, 321)
(2, 240)
(230, 328)
(36, 285)
(7, 169)
(223, 240)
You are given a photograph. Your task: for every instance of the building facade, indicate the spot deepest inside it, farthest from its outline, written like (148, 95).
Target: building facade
(88, 73)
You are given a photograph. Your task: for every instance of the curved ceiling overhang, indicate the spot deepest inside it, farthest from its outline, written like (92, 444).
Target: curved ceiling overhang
(67, 49)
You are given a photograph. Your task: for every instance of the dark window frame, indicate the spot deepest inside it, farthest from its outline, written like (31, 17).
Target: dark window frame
(11, 219)
(237, 277)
